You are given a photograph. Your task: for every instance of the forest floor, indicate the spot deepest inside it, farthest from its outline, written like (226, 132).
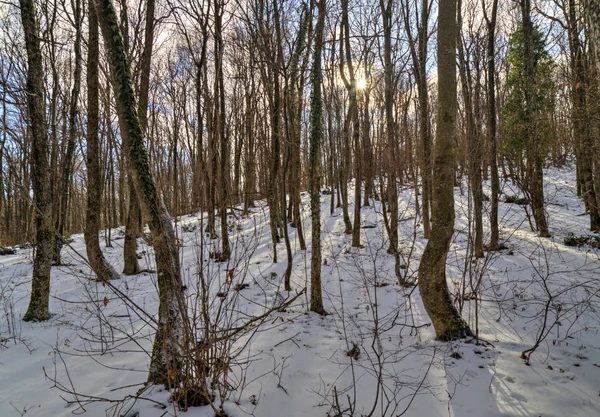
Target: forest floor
(96, 344)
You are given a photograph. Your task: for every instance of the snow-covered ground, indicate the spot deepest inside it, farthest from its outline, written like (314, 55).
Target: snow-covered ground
(98, 340)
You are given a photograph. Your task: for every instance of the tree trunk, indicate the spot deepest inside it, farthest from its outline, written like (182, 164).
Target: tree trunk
(418, 52)
(294, 112)
(425, 132)
(40, 285)
(474, 155)
(211, 177)
(70, 152)
(582, 132)
(346, 157)
(102, 269)
(367, 149)
(593, 19)
(390, 143)
(249, 170)
(287, 152)
(353, 122)
(222, 139)
(132, 229)
(167, 354)
(491, 128)
(432, 270)
(130, 258)
(535, 155)
(53, 113)
(314, 175)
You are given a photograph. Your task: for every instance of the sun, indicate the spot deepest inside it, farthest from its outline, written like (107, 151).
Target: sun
(361, 83)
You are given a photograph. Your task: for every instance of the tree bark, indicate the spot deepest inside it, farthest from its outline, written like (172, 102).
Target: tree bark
(220, 130)
(592, 8)
(535, 156)
(315, 138)
(424, 128)
(390, 143)
(38, 309)
(582, 132)
(352, 122)
(130, 258)
(67, 167)
(446, 320)
(592, 12)
(474, 152)
(132, 228)
(167, 354)
(491, 128)
(249, 170)
(287, 150)
(294, 112)
(345, 144)
(102, 269)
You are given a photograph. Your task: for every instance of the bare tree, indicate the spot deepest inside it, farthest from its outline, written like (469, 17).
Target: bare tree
(491, 120)
(470, 91)
(418, 52)
(104, 271)
(390, 131)
(534, 151)
(446, 320)
(352, 120)
(315, 138)
(581, 117)
(167, 359)
(219, 127)
(40, 284)
(294, 110)
(67, 165)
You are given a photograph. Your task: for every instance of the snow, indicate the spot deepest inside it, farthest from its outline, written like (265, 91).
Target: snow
(99, 340)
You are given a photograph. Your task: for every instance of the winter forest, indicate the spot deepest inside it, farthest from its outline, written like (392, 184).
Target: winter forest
(281, 208)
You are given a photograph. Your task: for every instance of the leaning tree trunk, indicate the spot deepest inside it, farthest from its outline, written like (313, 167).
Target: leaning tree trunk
(167, 354)
(446, 320)
(40, 284)
(102, 269)
(314, 176)
(132, 228)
